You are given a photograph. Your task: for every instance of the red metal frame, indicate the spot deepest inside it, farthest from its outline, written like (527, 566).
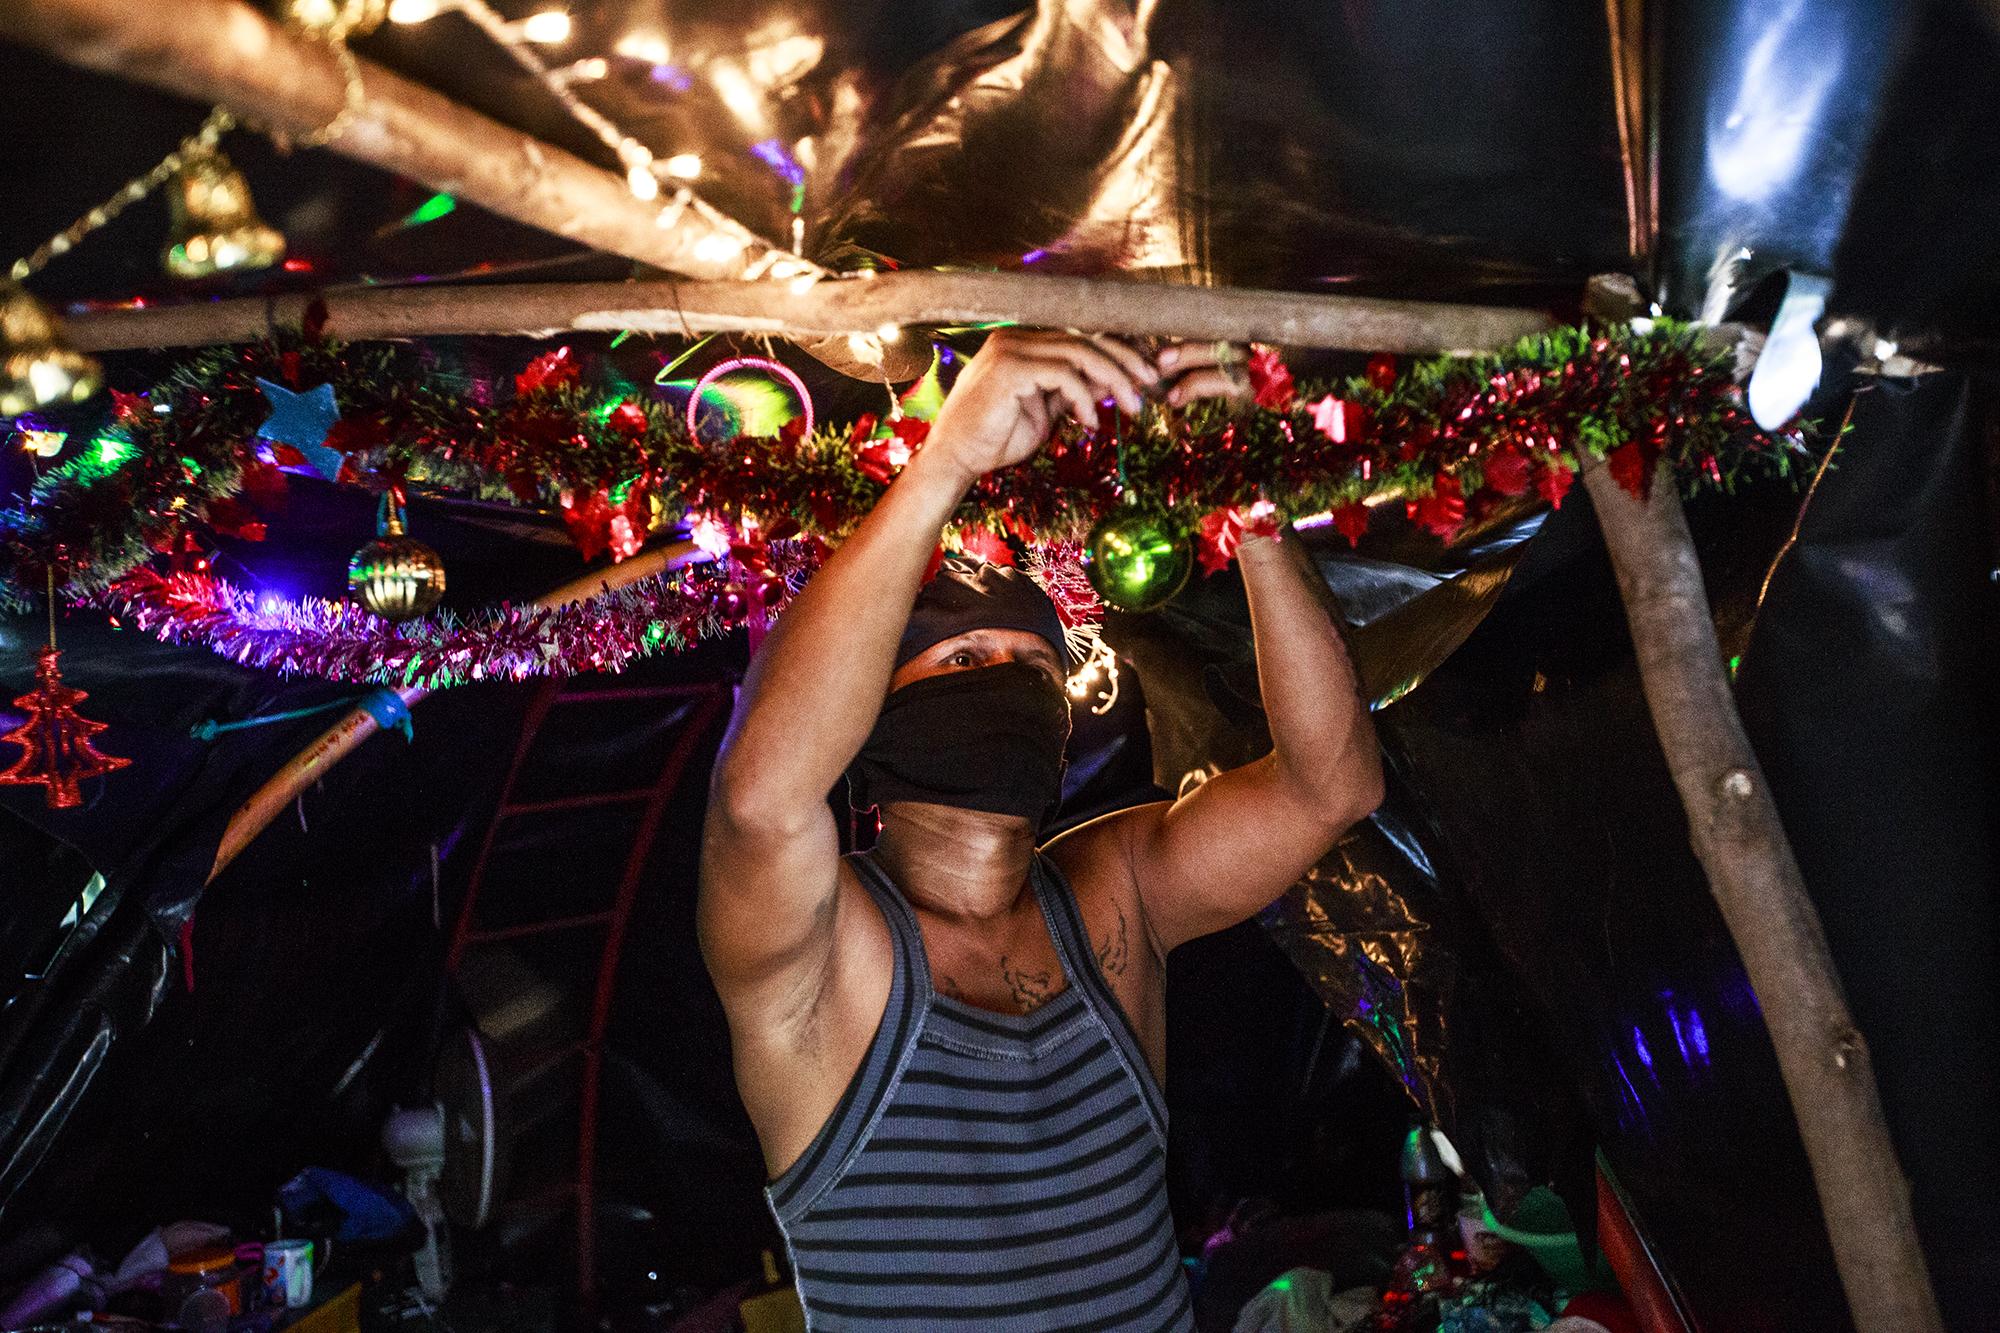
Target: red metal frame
(712, 700)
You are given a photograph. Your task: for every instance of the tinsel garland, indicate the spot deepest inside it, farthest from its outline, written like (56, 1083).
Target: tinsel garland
(341, 642)
(1449, 437)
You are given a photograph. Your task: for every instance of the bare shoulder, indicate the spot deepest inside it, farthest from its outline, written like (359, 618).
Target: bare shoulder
(796, 1045)
(1096, 859)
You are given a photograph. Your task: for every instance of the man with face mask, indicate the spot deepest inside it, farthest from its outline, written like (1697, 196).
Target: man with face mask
(952, 1047)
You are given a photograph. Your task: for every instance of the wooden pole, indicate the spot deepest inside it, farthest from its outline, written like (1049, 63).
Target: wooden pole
(340, 740)
(917, 298)
(225, 53)
(1755, 879)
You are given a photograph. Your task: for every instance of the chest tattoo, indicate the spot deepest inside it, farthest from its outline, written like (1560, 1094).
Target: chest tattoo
(1030, 989)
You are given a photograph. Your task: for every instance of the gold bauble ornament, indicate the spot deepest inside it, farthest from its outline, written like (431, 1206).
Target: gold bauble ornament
(215, 224)
(37, 366)
(395, 576)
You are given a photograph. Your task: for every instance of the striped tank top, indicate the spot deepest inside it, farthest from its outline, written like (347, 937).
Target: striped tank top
(998, 1172)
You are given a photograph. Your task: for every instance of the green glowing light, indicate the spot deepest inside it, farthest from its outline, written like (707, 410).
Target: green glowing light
(1734, 663)
(430, 210)
(656, 634)
(194, 468)
(1281, 1284)
(675, 364)
(623, 334)
(923, 399)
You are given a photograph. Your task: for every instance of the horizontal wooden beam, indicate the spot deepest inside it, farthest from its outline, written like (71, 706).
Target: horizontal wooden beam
(832, 307)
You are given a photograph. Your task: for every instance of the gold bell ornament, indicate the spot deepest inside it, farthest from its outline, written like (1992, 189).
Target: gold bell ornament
(215, 225)
(37, 366)
(395, 576)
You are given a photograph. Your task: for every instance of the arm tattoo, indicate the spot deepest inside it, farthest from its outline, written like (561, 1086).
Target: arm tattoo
(1030, 988)
(1112, 955)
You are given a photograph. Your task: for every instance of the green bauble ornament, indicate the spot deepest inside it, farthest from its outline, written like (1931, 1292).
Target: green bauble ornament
(1138, 559)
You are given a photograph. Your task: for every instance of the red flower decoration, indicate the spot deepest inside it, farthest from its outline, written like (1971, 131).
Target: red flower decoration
(547, 372)
(863, 428)
(912, 431)
(1632, 467)
(1554, 484)
(1271, 380)
(597, 526)
(986, 545)
(1220, 536)
(1215, 540)
(1442, 512)
(233, 518)
(1339, 420)
(1351, 520)
(1381, 372)
(1507, 471)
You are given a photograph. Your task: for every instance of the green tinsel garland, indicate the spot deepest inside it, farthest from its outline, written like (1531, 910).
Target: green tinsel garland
(1448, 436)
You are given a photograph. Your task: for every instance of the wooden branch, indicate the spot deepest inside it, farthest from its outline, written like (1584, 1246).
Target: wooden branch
(339, 740)
(1751, 871)
(223, 52)
(917, 299)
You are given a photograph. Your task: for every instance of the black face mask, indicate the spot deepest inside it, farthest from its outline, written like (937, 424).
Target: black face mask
(987, 739)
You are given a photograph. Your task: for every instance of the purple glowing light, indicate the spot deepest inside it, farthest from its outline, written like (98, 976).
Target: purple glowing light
(765, 364)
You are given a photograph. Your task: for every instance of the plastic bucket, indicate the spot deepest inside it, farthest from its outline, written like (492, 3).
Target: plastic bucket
(1542, 1227)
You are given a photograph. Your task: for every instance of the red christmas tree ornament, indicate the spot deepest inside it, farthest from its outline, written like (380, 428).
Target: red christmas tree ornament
(56, 740)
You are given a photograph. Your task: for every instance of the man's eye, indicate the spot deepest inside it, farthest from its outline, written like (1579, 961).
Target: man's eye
(961, 659)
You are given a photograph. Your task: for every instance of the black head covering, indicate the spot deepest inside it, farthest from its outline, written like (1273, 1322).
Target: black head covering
(970, 594)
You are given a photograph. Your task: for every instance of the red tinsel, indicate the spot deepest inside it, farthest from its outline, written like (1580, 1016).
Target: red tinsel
(340, 641)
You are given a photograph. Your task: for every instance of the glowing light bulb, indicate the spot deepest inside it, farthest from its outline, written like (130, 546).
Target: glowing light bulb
(684, 166)
(547, 28)
(717, 248)
(413, 11)
(646, 47)
(888, 333)
(643, 183)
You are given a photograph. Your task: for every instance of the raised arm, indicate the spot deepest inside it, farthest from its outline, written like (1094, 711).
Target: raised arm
(770, 862)
(1231, 846)
(1225, 850)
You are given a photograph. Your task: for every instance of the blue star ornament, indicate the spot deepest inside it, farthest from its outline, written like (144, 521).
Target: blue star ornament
(302, 420)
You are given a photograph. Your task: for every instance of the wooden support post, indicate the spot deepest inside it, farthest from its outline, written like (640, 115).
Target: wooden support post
(341, 739)
(1756, 882)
